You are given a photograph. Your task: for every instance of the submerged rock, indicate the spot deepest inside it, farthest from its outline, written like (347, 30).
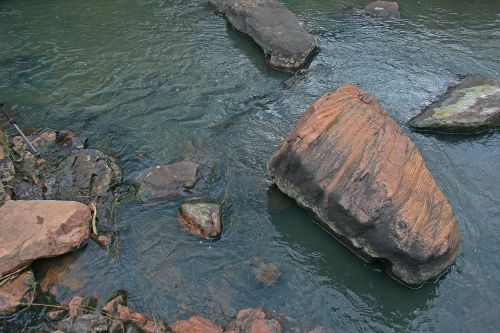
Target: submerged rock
(383, 9)
(201, 218)
(195, 324)
(167, 181)
(282, 36)
(79, 305)
(40, 229)
(16, 292)
(471, 106)
(253, 320)
(351, 164)
(267, 274)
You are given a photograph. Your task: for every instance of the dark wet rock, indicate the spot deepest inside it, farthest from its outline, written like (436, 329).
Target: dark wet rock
(282, 36)
(471, 106)
(167, 181)
(267, 274)
(383, 9)
(253, 321)
(42, 229)
(201, 218)
(66, 170)
(367, 183)
(195, 324)
(85, 323)
(119, 297)
(133, 328)
(16, 292)
(56, 314)
(79, 305)
(59, 275)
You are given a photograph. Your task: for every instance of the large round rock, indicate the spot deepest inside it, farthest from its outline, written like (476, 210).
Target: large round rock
(364, 179)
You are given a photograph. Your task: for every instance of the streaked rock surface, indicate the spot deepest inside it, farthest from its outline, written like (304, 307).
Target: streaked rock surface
(353, 166)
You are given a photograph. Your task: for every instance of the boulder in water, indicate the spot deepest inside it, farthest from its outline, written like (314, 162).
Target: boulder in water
(167, 181)
(40, 229)
(367, 183)
(383, 9)
(471, 106)
(282, 36)
(201, 218)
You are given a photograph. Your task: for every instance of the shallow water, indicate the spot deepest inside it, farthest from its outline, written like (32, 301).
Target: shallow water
(172, 80)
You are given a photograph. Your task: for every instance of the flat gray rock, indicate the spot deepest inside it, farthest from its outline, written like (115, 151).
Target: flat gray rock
(383, 9)
(282, 36)
(471, 106)
(167, 181)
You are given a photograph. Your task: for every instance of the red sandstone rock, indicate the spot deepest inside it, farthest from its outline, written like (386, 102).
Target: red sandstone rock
(253, 321)
(17, 293)
(364, 179)
(40, 229)
(138, 318)
(195, 324)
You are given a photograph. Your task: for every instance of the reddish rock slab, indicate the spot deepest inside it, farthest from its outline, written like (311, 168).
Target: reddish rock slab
(353, 166)
(36, 229)
(195, 324)
(202, 219)
(253, 321)
(15, 294)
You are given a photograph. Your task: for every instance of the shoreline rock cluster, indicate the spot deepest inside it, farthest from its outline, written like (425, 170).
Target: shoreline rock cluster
(44, 210)
(81, 314)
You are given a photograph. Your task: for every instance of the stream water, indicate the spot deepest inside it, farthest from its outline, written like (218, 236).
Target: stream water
(171, 80)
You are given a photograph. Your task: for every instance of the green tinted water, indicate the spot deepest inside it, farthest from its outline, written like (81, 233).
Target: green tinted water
(171, 80)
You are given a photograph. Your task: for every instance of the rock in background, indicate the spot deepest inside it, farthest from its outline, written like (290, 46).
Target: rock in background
(351, 164)
(471, 106)
(282, 36)
(383, 9)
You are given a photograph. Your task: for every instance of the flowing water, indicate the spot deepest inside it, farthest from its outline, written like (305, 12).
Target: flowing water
(171, 80)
